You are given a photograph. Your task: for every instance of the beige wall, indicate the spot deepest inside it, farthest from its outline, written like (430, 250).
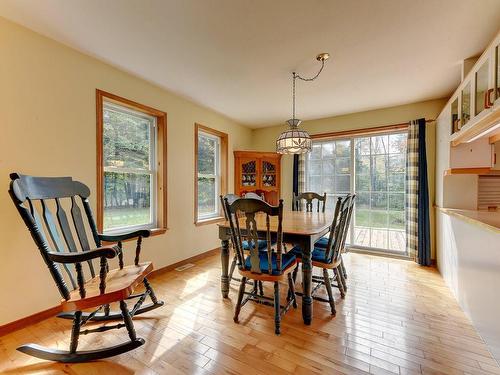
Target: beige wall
(48, 127)
(264, 139)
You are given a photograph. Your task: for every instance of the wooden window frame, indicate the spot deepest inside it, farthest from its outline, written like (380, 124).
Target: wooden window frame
(363, 131)
(224, 167)
(161, 157)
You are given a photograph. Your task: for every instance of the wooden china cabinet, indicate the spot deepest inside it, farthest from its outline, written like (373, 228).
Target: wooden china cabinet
(258, 172)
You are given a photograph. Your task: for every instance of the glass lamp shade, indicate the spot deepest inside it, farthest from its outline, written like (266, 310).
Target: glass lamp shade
(293, 141)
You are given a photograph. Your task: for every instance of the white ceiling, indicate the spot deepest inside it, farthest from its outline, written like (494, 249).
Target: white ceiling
(236, 56)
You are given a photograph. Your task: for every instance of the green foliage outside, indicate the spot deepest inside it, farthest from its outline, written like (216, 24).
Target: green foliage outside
(121, 217)
(380, 219)
(127, 185)
(207, 171)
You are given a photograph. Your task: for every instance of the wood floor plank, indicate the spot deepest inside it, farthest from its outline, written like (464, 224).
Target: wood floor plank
(397, 318)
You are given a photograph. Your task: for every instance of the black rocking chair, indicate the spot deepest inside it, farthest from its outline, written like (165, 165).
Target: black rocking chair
(65, 263)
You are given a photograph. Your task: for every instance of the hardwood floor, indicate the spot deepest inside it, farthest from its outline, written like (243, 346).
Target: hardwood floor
(397, 318)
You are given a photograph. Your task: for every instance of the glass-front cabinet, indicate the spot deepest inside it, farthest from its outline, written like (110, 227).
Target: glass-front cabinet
(482, 92)
(465, 108)
(497, 73)
(258, 172)
(477, 97)
(455, 118)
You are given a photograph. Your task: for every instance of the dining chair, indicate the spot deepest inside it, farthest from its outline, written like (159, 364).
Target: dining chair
(309, 197)
(331, 256)
(253, 195)
(261, 243)
(323, 243)
(271, 265)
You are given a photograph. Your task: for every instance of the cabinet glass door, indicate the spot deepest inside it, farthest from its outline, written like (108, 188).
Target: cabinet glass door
(465, 115)
(268, 173)
(455, 120)
(481, 92)
(497, 72)
(249, 173)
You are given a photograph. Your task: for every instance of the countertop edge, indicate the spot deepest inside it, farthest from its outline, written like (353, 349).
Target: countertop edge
(462, 214)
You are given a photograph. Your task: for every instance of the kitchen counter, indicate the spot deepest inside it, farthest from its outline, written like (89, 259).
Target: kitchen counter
(487, 219)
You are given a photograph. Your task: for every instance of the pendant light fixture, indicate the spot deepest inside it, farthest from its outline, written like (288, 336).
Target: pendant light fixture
(295, 140)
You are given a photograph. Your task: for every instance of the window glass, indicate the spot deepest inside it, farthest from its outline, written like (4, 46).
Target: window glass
(208, 175)
(129, 143)
(376, 172)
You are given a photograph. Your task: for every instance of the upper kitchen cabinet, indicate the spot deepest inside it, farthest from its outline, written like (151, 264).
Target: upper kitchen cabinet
(482, 89)
(475, 105)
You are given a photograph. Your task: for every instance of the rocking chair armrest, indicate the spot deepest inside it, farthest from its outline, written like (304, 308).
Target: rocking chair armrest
(124, 236)
(107, 252)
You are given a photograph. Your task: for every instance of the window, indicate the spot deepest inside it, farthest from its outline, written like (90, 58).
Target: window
(211, 173)
(131, 162)
(374, 167)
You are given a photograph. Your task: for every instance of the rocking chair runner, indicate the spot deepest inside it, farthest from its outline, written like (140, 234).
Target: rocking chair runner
(66, 264)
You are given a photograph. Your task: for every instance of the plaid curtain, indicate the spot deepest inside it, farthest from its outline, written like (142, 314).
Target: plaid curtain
(299, 173)
(417, 195)
(302, 173)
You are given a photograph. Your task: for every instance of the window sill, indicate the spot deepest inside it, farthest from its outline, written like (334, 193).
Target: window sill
(212, 220)
(154, 232)
(158, 231)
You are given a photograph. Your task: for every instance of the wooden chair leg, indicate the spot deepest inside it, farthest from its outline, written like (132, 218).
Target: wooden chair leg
(127, 319)
(261, 288)
(342, 279)
(295, 272)
(277, 312)
(231, 270)
(291, 291)
(338, 278)
(75, 331)
(344, 271)
(240, 298)
(328, 286)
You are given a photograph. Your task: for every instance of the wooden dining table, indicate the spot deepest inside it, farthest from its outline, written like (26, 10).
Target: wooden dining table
(299, 228)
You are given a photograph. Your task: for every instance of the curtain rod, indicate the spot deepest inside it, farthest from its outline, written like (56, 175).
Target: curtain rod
(406, 123)
(372, 130)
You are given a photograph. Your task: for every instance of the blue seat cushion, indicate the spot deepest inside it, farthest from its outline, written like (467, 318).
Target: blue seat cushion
(318, 254)
(261, 243)
(322, 243)
(286, 261)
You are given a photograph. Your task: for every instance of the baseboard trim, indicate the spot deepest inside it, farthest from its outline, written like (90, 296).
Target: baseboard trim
(53, 311)
(28, 320)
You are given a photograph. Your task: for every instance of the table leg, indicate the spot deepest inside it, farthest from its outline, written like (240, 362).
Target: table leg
(307, 308)
(224, 279)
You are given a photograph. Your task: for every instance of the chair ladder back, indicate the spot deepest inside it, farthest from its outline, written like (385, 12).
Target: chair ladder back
(91, 221)
(253, 241)
(32, 220)
(348, 222)
(76, 214)
(230, 198)
(249, 208)
(56, 238)
(333, 229)
(235, 230)
(342, 226)
(309, 197)
(253, 195)
(25, 190)
(279, 239)
(62, 218)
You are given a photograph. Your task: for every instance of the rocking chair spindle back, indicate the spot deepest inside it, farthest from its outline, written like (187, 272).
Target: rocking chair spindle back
(57, 237)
